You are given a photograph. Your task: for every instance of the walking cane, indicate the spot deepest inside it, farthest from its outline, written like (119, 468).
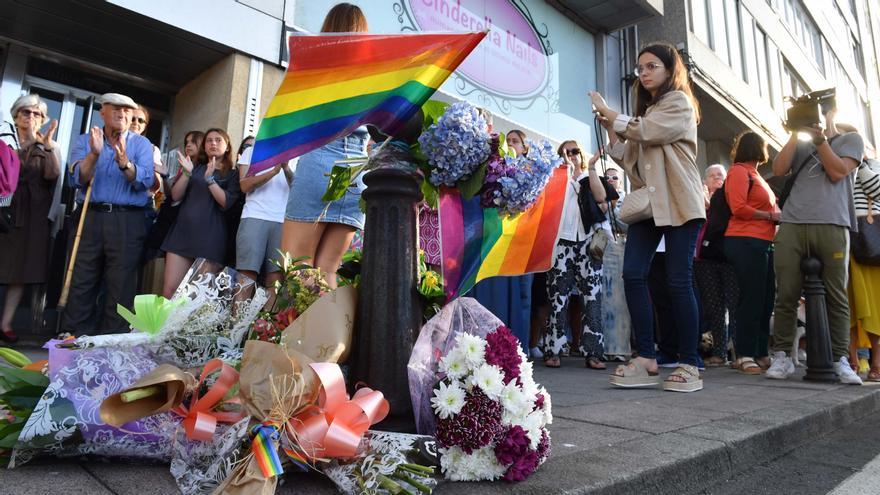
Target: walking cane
(62, 301)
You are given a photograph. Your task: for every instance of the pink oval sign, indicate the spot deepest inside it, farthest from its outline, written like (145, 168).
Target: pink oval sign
(510, 61)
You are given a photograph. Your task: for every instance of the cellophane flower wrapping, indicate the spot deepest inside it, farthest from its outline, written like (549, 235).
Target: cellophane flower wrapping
(220, 306)
(514, 184)
(200, 467)
(66, 422)
(382, 453)
(437, 336)
(491, 415)
(456, 145)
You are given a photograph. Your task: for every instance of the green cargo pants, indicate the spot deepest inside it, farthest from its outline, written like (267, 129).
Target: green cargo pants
(830, 244)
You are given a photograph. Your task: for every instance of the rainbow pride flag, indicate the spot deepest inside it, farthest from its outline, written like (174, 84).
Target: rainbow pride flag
(336, 83)
(478, 243)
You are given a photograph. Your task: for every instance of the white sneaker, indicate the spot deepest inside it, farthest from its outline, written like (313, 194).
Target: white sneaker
(536, 353)
(846, 373)
(781, 366)
(802, 356)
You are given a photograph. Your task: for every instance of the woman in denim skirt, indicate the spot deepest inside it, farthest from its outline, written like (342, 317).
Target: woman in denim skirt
(314, 229)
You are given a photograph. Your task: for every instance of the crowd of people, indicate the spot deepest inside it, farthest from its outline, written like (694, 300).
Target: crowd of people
(688, 294)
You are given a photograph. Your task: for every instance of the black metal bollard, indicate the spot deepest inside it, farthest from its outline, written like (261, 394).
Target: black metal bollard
(819, 360)
(388, 312)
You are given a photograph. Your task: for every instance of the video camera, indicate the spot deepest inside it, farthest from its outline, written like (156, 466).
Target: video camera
(807, 109)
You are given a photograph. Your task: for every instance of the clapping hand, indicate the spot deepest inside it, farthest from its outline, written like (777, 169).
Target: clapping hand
(185, 162)
(96, 140)
(121, 156)
(46, 139)
(212, 166)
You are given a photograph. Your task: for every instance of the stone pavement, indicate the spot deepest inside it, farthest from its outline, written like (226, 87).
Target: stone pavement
(604, 440)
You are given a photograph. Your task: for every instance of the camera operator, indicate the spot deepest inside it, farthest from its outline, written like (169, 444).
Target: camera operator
(816, 218)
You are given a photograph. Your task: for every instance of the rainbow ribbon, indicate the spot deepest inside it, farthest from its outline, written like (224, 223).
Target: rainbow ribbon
(265, 448)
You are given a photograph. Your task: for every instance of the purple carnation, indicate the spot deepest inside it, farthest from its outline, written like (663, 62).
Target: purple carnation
(539, 402)
(544, 447)
(476, 426)
(501, 351)
(523, 467)
(514, 445)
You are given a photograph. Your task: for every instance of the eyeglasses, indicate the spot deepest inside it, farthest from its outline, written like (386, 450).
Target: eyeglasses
(612, 177)
(34, 113)
(573, 152)
(140, 120)
(647, 68)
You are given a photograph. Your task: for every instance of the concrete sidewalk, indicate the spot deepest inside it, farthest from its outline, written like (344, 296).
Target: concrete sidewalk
(604, 440)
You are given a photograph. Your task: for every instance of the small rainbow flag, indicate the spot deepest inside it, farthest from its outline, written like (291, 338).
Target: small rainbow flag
(265, 448)
(477, 243)
(336, 83)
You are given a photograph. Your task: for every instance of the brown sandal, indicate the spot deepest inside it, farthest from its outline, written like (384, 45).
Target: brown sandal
(748, 366)
(873, 376)
(552, 362)
(594, 363)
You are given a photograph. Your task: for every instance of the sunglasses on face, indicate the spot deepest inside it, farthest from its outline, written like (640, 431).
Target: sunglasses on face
(573, 152)
(35, 113)
(139, 120)
(612, 177)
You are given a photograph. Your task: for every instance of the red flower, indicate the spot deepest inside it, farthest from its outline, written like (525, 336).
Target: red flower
(285, 317)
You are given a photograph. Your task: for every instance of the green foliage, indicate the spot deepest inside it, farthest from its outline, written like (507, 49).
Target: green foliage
(340, 179)
(433, 110)
(472, 186)
(349, 272)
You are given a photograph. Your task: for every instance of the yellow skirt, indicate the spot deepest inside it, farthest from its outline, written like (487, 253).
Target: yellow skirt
(864, 300)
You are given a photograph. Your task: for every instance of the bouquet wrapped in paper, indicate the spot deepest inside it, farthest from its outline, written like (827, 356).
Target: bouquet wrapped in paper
(67, 421)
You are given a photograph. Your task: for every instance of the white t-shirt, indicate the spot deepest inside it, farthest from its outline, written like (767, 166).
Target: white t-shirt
(269, 201)
(572, 228)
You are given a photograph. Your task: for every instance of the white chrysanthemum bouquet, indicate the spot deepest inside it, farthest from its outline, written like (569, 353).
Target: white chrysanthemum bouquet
(491, 415)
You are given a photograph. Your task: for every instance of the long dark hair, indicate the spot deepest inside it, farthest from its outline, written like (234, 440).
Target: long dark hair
(677, 80)
(345, 18)
(225, 162)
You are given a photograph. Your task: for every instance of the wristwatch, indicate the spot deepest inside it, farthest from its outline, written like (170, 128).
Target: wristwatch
(127, 166)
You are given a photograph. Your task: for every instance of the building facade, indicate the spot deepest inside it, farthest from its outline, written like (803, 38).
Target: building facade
(748, 56)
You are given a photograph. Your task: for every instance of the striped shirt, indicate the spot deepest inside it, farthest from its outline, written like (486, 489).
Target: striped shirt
(867, 186)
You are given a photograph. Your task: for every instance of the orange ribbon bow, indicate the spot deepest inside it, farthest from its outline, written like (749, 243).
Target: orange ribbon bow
(200, 422)
(335, 426)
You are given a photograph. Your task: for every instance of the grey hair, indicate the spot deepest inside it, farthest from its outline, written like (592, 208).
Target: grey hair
(30, 100)
(714, 166)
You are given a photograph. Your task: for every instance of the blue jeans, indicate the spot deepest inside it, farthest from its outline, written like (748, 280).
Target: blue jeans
(641, 244)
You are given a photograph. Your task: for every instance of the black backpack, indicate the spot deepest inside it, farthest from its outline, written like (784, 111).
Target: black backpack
(717, 218)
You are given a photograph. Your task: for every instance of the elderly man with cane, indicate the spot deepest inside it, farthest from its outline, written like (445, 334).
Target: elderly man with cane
(114, 167)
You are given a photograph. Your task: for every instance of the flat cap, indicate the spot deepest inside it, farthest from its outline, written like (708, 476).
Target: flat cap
(118, 100)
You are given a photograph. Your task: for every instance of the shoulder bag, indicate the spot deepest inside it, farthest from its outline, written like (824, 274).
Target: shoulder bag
(865, 244)
(636, 206)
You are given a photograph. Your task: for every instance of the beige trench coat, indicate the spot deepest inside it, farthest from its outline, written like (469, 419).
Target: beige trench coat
(658, 151)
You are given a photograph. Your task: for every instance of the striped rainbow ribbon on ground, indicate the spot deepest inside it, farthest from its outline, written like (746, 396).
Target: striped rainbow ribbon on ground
(336, 83)
(477, 243)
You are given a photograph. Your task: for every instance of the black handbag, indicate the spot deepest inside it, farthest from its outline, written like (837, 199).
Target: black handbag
(865, 245)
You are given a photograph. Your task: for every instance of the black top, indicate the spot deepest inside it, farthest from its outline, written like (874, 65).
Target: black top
(200, 228)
